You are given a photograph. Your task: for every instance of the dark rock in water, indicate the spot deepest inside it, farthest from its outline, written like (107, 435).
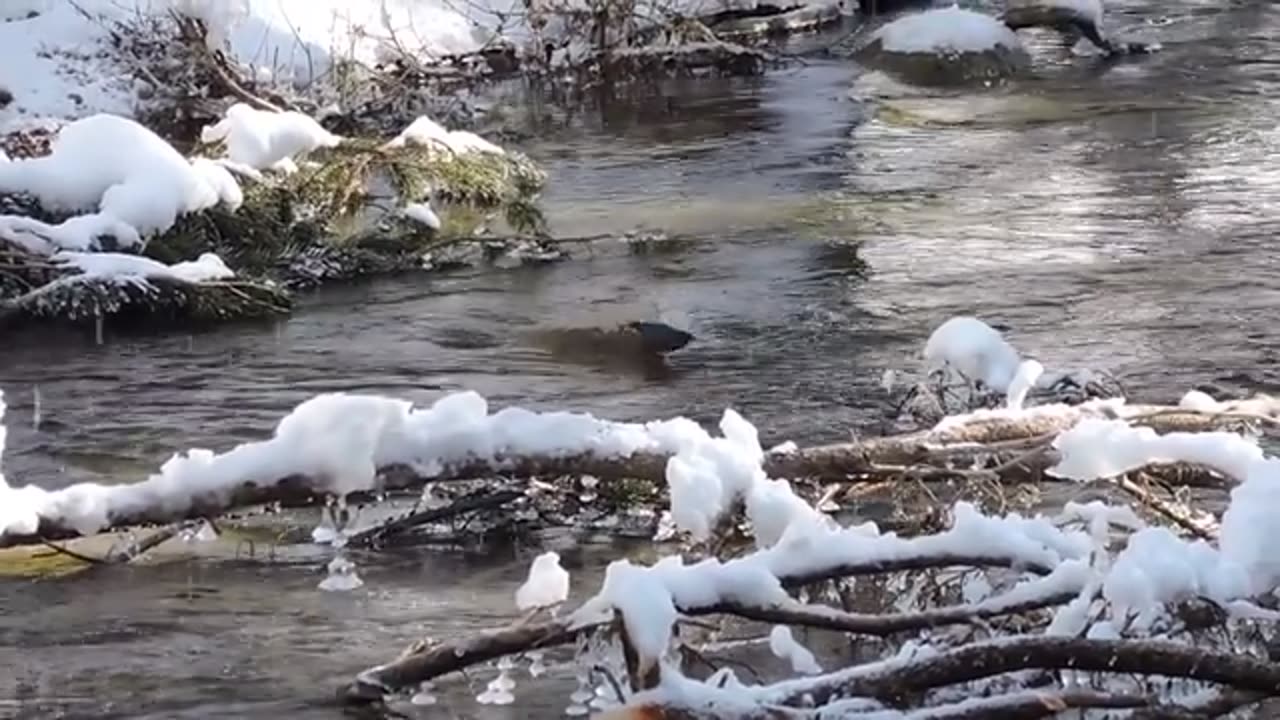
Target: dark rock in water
(660, 338)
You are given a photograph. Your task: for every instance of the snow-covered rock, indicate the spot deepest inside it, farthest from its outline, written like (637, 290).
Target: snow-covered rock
(946, 46)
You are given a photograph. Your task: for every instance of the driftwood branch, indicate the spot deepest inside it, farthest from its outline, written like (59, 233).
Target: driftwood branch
(938, 454)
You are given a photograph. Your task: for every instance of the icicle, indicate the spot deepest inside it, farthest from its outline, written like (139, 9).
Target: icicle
(498, 692)
(537, 667)
(581, 695)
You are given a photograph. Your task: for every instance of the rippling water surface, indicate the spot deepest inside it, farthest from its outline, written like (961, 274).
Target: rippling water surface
(1113, 215)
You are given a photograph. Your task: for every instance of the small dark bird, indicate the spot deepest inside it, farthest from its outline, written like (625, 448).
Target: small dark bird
(660, 338)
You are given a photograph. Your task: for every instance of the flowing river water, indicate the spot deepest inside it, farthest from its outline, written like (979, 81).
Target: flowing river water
(1113, 215)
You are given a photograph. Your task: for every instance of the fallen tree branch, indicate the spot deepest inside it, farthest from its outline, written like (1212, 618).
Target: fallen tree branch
(1029, 705)
(929, 454)
(1025, 705)
(976, 661)
(471, 503)
(1212, 705)
(433, 660)
(1204, 528)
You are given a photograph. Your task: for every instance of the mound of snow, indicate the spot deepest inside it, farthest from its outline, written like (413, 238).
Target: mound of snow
(975, 350)
(265, 140)
(426, 132)
(946, 31)
(136, 181)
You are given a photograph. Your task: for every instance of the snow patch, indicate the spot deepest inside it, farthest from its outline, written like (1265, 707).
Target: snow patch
(1096, 448)
(946, 31)
(116, 265)
(975, 350)
(1157, 567)
(57, 63)
(265, 140)
(137, 182)
(425, 132)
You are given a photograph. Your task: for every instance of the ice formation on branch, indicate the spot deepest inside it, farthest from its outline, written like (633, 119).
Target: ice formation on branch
(137, 183)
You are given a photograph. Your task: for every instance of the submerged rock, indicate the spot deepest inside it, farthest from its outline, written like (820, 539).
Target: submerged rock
(948, 46)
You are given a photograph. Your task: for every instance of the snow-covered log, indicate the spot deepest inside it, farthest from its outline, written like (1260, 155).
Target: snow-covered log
(317, 452)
